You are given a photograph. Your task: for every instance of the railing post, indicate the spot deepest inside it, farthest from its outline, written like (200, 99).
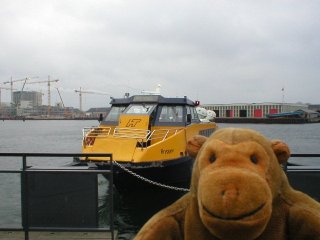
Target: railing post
(24, 198)
(111, 200)
(285, 167)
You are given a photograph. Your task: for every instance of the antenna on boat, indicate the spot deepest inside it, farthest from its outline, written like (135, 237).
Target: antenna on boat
(158, 88)
(156, 92)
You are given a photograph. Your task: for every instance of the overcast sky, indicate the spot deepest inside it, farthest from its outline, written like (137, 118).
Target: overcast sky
(214, 51)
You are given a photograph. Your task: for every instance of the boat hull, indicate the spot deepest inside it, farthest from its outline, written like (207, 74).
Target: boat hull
(172, 175)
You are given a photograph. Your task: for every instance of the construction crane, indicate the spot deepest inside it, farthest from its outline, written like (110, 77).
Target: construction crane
(60, 97)
(80, 91)
(49, 91)
(5, 88)
(17, 80)
(65, 112)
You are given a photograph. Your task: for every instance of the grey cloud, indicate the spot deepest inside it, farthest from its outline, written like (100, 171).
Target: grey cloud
(217, 51)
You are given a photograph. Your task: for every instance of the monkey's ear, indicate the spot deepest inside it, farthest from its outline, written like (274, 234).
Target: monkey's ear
(194, 145)
(281, 150)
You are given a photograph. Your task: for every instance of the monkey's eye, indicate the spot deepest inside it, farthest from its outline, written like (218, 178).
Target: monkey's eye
(212, 158)
(254, 159)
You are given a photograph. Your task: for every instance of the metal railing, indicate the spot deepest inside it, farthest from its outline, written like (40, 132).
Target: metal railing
(26, 170)
(142, 134)
(301, 167)
(162, 134)
(131, 133)
(96, 132)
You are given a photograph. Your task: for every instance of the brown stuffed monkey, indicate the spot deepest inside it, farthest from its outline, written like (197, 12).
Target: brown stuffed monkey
(238, 192)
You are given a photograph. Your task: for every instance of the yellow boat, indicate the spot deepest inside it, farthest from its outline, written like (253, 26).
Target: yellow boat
(147, 136)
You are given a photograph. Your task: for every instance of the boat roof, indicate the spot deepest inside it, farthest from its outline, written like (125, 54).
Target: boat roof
(158, 99)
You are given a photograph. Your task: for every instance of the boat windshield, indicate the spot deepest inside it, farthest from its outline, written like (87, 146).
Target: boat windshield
(140, 109)
(113, 115)
(171, 114)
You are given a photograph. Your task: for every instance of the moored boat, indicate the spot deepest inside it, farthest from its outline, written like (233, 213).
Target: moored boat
(147, 136)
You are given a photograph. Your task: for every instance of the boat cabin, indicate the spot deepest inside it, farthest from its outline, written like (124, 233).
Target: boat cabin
(158, 111)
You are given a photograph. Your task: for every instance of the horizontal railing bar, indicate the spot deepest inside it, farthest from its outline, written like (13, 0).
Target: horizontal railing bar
(67, 171)
(109, 155)
(305, 155)
(289, 168)
(304, 170)
(49, 229)
(11, 229)
(57, 229)
(11, 171)
(57, 154)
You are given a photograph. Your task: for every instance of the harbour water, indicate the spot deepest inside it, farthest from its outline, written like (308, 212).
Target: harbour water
(64, 136)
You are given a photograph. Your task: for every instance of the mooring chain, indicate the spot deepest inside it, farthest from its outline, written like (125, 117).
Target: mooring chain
(150, 181)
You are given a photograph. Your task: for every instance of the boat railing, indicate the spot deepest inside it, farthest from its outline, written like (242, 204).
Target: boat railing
(162, 134)
(99, 132)
(141, 134)
(30, 201)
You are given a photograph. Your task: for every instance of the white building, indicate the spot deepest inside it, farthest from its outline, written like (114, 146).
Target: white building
(252, 110)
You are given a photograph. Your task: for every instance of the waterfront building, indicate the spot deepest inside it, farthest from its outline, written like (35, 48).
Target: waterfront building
(6, 110)
(42, 112)
(252, 110)
(314, 107)
(27, 99)
(96, 112)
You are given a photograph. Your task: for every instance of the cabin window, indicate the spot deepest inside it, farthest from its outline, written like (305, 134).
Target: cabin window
(113, 115)
(171, 114)
(140, 109)
(194, 115)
